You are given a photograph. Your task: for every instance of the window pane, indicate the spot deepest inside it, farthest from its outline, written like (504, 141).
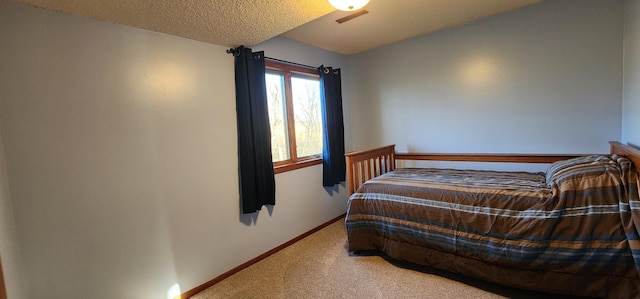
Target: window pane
(277, 117)
(306, 111)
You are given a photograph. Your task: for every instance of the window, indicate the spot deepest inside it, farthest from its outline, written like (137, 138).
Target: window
(293, 95)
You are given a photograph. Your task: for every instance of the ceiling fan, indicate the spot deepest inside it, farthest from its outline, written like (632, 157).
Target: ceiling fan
(350, 5)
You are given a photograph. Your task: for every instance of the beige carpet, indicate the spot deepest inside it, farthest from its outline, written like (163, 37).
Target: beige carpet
(319, 266)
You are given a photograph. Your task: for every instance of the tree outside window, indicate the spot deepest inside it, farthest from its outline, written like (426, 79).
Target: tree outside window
(293, 95)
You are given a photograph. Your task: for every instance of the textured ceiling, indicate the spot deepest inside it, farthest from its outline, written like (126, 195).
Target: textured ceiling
(248, 22)
(390, 21)
(221, 22)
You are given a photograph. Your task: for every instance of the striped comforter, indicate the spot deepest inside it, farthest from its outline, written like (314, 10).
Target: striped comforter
(573, 230)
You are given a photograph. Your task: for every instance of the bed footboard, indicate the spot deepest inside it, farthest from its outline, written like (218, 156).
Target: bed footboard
(367, 164)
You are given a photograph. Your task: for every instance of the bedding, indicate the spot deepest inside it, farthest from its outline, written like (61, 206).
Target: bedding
(572, 230)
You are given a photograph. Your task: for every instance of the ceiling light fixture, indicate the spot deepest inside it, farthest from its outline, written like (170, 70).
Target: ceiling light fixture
(349, 5)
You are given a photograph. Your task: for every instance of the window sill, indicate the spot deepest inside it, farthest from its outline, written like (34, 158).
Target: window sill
(297, 165)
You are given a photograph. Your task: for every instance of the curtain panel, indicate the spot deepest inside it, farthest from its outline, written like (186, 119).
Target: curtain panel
(255, 165)
(333, 162)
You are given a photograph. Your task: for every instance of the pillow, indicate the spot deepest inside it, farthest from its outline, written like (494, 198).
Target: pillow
(560, 170)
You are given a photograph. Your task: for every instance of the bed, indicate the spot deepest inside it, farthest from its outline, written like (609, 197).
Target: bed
(571, 230)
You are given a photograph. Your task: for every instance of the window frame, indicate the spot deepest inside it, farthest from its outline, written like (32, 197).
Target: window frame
(288, 71)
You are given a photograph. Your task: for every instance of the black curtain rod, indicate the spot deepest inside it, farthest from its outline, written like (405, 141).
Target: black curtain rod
(232, 51)
(292, 63)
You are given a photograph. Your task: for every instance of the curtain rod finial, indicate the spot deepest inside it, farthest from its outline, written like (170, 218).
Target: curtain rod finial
(235, 51)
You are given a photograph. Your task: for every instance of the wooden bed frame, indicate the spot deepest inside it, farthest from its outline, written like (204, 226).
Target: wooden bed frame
(367, 164)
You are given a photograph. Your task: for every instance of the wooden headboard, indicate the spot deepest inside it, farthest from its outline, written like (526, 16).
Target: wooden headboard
(629, 151)
(367, 164)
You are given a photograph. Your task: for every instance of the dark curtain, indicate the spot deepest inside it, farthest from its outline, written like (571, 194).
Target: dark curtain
(333, 165)
(255, 166)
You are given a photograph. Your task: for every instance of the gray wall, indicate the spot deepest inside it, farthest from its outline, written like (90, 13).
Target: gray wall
(120, 149)
(546, 78)
(631, 101)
